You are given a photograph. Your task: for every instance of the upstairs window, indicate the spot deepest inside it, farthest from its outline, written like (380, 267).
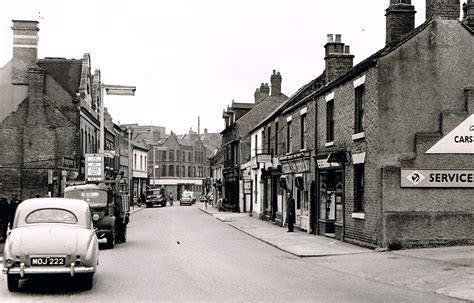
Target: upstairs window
(359, 110)
(269, 139)
(303, 131)
(288, 137)
(276, 138)
(330, 121)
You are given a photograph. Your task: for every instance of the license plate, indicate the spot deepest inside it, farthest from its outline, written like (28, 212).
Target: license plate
(47, 261)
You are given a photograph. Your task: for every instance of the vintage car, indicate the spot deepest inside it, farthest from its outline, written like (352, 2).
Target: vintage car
(51, 236)
(187, 198)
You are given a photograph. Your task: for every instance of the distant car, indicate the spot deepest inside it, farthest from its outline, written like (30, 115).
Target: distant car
(51, 236)
(187, 198)
(203, 198)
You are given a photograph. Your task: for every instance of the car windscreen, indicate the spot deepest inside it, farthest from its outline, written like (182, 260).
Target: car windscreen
(51, 215)
(93, 197)
(187, 195)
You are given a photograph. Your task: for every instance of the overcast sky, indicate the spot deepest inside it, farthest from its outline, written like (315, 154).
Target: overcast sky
(191, 58)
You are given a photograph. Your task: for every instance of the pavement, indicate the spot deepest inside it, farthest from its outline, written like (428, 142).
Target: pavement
(448, 271)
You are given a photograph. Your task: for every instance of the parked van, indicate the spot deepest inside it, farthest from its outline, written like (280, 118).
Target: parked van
(187, 198)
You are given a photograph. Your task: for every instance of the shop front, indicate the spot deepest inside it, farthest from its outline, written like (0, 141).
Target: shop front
(330, 176)
(296, 177)
(231, 186)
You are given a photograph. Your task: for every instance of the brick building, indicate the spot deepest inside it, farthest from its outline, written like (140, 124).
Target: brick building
(237, 143)
(180, 163)
(49, 119)
(379, 154)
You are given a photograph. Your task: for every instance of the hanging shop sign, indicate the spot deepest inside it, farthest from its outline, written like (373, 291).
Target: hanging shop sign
(450, 178)
(247, 187)
(459, 141)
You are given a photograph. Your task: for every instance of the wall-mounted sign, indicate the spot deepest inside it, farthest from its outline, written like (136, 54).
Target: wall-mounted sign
(94, 167)
(247, 187)
(459, 141)
(449, 178)
(264, 158)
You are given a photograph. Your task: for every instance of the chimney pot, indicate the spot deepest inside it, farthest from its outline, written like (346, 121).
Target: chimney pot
(347, 49)
(338, 38)
(330, 38)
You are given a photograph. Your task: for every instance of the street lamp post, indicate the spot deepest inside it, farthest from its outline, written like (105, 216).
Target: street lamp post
(118, 90)
(130, 163)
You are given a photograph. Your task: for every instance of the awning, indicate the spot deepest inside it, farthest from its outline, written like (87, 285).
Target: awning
(338, 156)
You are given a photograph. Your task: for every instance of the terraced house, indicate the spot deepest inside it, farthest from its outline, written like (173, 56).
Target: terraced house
(378, 154)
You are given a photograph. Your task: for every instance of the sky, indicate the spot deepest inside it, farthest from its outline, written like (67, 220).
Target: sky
(189, 58)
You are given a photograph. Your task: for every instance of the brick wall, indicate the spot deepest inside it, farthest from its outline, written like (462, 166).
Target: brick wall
(366, 230)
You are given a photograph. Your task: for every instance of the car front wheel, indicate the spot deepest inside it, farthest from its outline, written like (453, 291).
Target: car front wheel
(12, 282)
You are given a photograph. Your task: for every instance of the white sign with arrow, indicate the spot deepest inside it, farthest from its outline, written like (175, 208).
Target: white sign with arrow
(459, 141)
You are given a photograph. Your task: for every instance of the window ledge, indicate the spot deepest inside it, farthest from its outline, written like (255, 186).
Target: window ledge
(360, 216)
(358, 136)
(329, 144)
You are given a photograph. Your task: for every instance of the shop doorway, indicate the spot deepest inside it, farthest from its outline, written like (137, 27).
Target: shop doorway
(331, 201)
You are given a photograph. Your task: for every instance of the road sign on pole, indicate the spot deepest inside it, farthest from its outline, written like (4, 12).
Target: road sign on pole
(94, 167)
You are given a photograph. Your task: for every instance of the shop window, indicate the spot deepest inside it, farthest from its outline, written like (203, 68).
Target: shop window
(330, 121)
(359, 110)
(359, 198)
(331, 190)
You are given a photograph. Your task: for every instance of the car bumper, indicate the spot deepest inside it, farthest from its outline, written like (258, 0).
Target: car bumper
(27, 271)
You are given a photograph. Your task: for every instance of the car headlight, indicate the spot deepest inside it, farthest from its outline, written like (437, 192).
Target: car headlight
(95, 217)
(9, 262)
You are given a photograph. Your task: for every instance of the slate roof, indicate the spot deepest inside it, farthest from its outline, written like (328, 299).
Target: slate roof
(67, 72)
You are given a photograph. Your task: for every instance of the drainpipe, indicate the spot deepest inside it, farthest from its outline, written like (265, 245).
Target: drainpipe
(316, 175)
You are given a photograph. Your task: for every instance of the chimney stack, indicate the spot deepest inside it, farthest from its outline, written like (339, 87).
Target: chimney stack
(442, 9)
(338, 58)
(25, 49)
(400, 20)
(275, 81)
(262, 92)
(468, 13)
(257, 95)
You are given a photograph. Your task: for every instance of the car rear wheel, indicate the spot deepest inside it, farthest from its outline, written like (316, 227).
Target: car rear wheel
(12, 282)
(86, 281)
